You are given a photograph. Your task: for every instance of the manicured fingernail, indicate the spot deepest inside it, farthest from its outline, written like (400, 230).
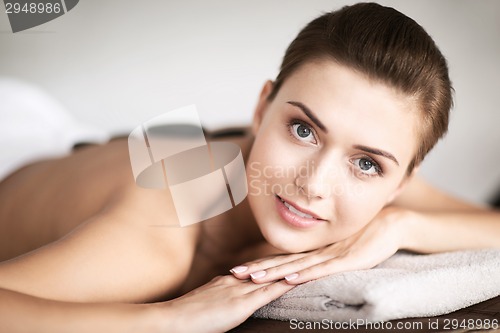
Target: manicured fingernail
(258, 275)
(291, 277)
(238, 269)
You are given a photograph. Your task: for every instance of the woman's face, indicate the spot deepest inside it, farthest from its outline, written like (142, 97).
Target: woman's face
(330, 151)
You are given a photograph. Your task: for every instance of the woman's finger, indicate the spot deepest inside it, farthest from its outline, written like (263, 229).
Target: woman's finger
(318, 271)
(285, 270)
(245, 270)
(329, 267)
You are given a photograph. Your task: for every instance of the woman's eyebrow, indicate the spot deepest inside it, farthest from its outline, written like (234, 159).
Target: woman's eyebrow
(377, 152)
(318, 123)
(309, 114)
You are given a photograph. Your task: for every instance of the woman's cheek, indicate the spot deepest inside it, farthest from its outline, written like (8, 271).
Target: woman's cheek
(361, 205)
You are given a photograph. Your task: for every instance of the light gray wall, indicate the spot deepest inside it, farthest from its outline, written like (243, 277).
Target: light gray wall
(116, 63)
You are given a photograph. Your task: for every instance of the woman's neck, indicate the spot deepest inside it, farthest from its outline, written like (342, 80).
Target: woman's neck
(224, 237)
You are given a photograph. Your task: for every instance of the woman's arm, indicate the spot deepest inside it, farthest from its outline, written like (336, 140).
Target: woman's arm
(422, 219)
(432, 221)
(115, 256)
(418, 195)
(218, 306)
(83, 282)
(23, 313)
(429, 232)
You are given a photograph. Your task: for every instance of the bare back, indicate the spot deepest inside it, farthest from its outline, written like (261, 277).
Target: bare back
(86, 221)
(45, 200)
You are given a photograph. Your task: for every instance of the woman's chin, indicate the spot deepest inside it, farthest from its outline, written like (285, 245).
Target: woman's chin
(289, 249)
(288, 243)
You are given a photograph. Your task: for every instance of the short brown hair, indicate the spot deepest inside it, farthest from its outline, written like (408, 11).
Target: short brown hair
(387, 46)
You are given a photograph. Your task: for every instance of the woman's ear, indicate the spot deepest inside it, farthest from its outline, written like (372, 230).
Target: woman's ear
(261, 107)
(404, 183)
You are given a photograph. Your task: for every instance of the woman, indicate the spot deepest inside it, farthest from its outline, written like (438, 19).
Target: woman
(362, 96)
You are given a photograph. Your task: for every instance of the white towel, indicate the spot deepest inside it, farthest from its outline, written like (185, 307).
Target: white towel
(34, 126)
(406, 285)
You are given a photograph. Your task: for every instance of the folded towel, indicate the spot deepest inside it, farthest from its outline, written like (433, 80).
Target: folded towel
(406, 285)
(34, 126)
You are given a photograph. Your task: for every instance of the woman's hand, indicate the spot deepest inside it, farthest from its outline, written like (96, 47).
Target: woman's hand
(223, 303)
(376, 242)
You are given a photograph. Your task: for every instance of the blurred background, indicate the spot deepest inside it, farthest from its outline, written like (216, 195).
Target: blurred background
(116, 63)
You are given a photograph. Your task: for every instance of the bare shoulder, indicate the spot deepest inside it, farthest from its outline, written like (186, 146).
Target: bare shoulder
(106, 238)
(420, 195)
(121, 251)
(122, 254)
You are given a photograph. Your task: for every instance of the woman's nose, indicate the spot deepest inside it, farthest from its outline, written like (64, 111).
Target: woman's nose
(318, 182)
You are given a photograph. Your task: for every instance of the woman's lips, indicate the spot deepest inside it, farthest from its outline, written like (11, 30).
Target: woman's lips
(290, 215)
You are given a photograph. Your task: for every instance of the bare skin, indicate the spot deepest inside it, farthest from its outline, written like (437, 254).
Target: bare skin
(93, 192)
(82, 229)
(89, 250)
(93, 225)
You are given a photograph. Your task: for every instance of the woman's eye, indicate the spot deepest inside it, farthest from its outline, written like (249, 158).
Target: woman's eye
(367, 166)
(303, 132)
